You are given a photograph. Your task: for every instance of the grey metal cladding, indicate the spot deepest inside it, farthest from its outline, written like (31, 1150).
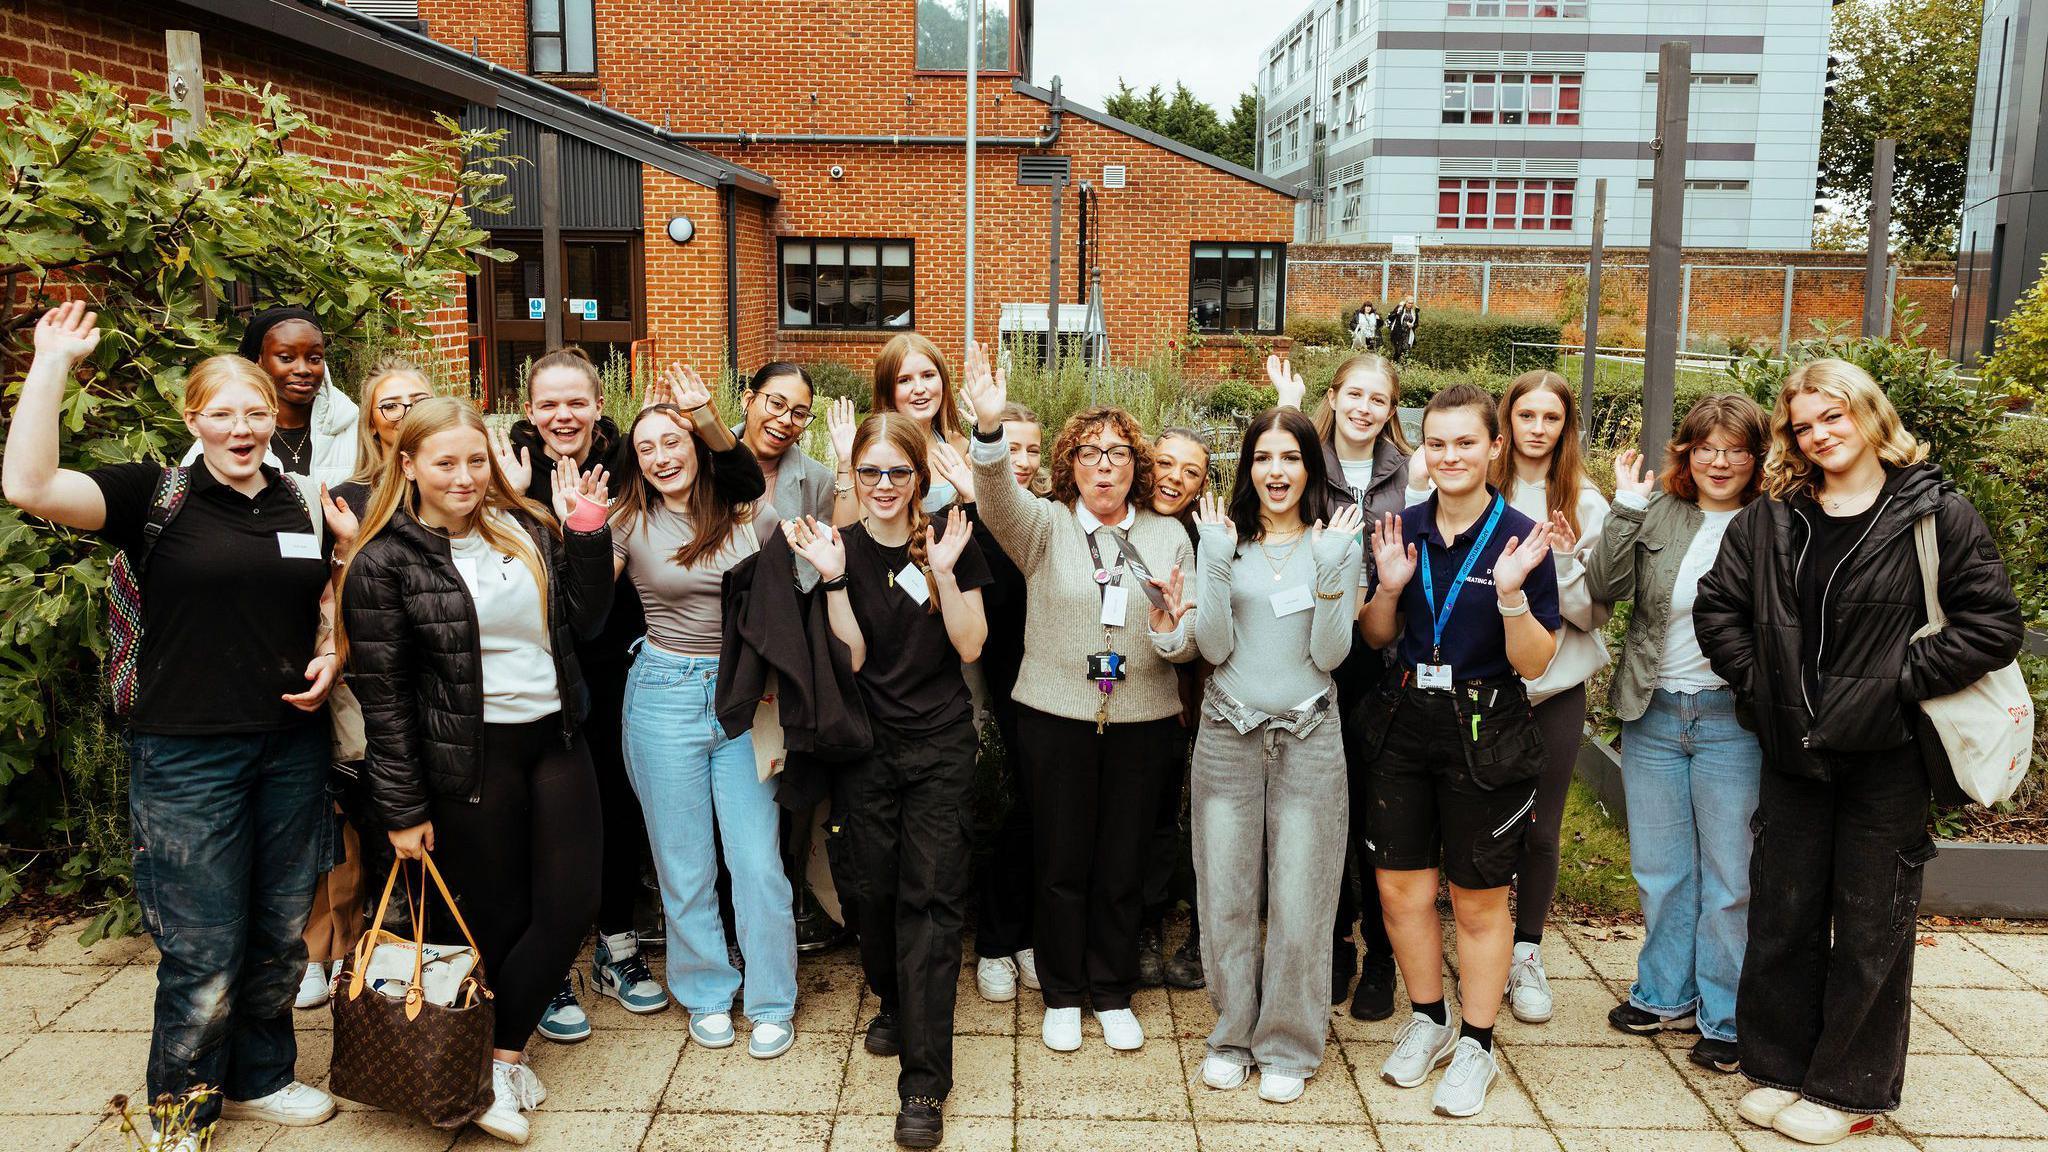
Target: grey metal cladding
(600, 187)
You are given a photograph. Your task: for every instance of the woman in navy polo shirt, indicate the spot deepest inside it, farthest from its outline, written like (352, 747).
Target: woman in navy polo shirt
(1467, 587)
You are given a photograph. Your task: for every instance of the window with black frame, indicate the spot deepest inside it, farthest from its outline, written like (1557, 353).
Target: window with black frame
(1237, 287)
(561, 37)
(844, 283)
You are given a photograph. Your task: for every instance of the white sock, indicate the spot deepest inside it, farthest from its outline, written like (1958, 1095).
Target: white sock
(623, 945)
(1525, 951)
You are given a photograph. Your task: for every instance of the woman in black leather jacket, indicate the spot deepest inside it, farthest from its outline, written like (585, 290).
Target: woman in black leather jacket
(1809, 613)
(462, 607)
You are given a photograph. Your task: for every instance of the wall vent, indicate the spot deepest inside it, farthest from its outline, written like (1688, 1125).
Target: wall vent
(1044, 170)
(1114, 176)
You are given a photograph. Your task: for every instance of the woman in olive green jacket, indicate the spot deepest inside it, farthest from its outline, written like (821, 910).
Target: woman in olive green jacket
(1690, 770)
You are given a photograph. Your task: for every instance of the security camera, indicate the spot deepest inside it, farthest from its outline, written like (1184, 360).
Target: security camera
(837, 172)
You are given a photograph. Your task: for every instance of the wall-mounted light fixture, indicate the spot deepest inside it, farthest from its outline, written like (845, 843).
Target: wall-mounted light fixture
(681, 229)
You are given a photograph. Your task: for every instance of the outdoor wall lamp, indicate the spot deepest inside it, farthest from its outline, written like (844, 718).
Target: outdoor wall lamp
(681, 229)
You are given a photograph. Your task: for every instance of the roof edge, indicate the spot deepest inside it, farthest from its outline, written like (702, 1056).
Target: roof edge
(1148, 136)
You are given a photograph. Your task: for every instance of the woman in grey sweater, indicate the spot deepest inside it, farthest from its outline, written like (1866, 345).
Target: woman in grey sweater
(1279, 590)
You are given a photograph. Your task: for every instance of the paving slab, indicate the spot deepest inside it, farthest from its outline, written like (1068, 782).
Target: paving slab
(1578, 1017)
(35, 995)
(803, 1080)
(1230, 1136)
(2030, 1073)
(1107, 1135)
(1964, 1096)
(963, 1134)
(1760, 1140)
(1644, 1139)
(984, 1080)
(1506, 1102)
(1461, 1136)
(122, 1002)
(1331, 1096)
(1097, 1083)
(2025, 954)
(556, 1130)
(757, 1133)
(67, 1074)
(1953, 960)
(626, 1071)
(24, 943)
(1608, 1088)
(43, 1133)
(1990, 1021)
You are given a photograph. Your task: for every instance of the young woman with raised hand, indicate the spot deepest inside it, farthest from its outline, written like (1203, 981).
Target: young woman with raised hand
(1689, 765)
(1278, 586)
(564, 420)
(906, 600)
(684, 518)
(1809, 614)
(911, 378)
(1097, 706)
(1002, 928)
(1542, 476)
(228, 737)
(1366, 462)
(1467, 594)
(462, 604)
(1180, 477)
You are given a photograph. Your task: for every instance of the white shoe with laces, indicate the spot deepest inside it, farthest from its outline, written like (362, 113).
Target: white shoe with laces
(1027, 968)
(1061, 1030)
(1421, 1045)
(315, 987)
(295, 1105)
(1528, 987)
(1276, 1088)
(1120, 1029)
(532, 1093)
(506, 1117)
(1223, 1075)
(1760, 1106)
(996, 979)
(1463, 1091)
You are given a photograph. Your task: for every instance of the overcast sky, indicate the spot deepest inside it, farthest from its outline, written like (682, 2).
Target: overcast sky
(1212, 46)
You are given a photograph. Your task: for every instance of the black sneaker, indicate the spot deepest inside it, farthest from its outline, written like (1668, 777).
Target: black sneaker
(1374, 999)
(1151, 965)
(883, 1039)
(1184, 967)
(920, 1123)
(1626, 1017)
(1343, 966)
(1720, 1055)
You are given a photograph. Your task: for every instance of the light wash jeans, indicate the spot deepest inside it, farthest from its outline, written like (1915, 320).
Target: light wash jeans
(1691, 773)
(1269, 813)
(687, 773)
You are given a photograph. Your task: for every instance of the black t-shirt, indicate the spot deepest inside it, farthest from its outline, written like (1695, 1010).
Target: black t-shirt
(229, 619)
(1827, 549)
(911, 678)
(292, 448)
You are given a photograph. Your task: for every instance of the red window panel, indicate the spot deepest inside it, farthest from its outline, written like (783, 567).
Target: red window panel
(1447, 197)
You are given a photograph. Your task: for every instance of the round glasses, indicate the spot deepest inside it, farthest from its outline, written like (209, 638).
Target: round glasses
(1089, 455)
(778, 408)
(221, 421)
(871, 477)
(1703, 454)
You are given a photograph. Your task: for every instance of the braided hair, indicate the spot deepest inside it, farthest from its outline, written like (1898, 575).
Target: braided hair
(909, 437)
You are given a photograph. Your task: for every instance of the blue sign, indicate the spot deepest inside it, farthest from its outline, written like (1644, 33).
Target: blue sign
(536, 308)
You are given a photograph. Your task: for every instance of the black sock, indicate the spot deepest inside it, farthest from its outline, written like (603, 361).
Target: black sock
(1535, 937)
(1434, 1010)
(1483, 1035)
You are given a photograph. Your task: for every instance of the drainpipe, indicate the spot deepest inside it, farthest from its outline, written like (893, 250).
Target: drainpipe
(732, 280)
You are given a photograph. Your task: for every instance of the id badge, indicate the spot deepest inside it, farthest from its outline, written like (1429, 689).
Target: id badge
(1295, 599)
(1436, 677)
(912, 581)
(298, 546)
(1115, 598)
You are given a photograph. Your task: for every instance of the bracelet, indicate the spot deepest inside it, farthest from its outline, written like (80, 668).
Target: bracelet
(1521, 609)
(835, 584)
(1339, 595)
(842, 487)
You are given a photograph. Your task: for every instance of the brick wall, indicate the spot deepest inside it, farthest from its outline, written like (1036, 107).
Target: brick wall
(42, 43)
(1735, 293)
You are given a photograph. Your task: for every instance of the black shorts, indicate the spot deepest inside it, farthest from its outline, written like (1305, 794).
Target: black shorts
(1438, 795)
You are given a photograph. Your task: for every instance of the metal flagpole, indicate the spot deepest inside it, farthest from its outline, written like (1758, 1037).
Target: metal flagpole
(973, 101)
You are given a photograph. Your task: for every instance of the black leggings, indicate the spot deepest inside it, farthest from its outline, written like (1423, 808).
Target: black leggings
(523, 864)
(1563, 721)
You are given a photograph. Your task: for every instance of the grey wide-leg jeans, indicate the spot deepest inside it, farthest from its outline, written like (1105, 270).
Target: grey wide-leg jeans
(1269, 812)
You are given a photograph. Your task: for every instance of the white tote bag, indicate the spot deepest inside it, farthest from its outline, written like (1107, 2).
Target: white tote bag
(1987, 729)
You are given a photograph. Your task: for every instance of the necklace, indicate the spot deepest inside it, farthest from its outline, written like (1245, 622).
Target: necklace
(1837, 503)
(296, 452)
(1280, 570)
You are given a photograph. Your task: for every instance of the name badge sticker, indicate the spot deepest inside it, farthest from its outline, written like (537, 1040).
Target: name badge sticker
(1115, 599)
(298, 546)
(1292, 600)
(913, 584)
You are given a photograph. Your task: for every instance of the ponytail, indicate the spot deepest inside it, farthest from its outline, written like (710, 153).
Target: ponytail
(919, 523)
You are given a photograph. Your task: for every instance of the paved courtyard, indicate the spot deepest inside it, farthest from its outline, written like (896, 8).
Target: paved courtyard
(73, 1033)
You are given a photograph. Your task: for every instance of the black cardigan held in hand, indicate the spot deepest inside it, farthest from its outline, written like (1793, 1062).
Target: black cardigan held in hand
(1872, 674)
(416, 659)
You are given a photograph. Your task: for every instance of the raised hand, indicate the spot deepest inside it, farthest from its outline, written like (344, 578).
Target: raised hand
(1418, 467)
(573, 488)
(952, 468)
(1518, 559)
(942, 552)
(986, 391)
(1631, 476)
(1331, 542)
(67, 334)
(342, 524)
(1562, 538)
(512, 461)
(1171, 590)
(818, 543)
(841, 422)
(686, 389)
(1286, 381)
(1394, 560)
(1211, 512)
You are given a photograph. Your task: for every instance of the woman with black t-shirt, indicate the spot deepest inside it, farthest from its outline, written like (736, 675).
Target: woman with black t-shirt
(228, 737)
(901, 816)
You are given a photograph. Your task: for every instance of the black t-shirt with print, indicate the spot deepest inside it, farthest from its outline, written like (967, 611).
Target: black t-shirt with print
(229, 617)
(911, 678)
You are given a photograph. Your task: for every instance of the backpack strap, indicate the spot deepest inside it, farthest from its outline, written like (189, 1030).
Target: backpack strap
(171, 488)
(1929, 554)
(307, 491)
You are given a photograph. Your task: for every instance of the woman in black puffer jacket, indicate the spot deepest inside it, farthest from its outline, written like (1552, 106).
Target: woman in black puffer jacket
(462, 607)
(1809, 613)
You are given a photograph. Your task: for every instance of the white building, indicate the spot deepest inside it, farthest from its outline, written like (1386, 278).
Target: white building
(1487, 121)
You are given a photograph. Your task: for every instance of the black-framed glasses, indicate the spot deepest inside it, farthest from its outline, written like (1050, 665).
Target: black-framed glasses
(1089, 455)
(395, 408)
(871, 476)
(778, 407)
(1706, 454)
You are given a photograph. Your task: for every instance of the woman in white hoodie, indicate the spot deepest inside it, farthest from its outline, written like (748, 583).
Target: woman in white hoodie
(316, 423)
(1544, 478)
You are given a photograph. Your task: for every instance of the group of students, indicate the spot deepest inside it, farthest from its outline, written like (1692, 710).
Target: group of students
(1366, 665)
(1392, 335)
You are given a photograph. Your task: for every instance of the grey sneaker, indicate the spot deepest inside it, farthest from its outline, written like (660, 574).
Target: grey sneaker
(1463, 1092)
(1529, 990)
(1420, 1047)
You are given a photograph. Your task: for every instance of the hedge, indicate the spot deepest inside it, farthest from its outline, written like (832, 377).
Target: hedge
(1452, 339)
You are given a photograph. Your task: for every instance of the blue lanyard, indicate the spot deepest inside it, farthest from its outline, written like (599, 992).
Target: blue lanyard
(1439, 619)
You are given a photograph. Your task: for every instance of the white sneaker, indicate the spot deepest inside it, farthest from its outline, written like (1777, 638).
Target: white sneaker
(1275, 1088)
(532, 1093)
(1811, 1123)
(1062, 1029)
(1760, 1106)
(1463, 1092)
(506, 1118)
(1223, 1075)
(314, 987)
(1421, 1045)
(295, 1105)
(1027, 968)
(997, 979)
(1528, 988)
(1120, 1029)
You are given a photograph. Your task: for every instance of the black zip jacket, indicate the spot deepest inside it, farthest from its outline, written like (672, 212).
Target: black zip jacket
(1365, 666)
(415, 658)
(1871, 674)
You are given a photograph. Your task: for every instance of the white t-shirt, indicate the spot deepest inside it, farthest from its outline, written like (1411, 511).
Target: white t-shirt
(519, 665)
(1683, 667)
(1357, 475)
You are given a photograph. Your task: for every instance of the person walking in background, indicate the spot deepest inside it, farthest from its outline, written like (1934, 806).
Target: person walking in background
(1398, 332)
(1543, 477)
(1365, 328)
(1689, 766)
(1809, 614)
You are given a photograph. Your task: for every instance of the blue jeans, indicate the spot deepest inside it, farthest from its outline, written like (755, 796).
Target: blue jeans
(1691, 773)
(687, 773)
(230, 836)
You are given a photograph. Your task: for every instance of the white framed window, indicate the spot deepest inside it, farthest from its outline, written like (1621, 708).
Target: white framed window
(1519, 9)
(1531, 98)
(1484, 204)
(561, 37)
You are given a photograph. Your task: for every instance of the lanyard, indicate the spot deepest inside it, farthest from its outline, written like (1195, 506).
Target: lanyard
(1439, 619)
(1104, 576)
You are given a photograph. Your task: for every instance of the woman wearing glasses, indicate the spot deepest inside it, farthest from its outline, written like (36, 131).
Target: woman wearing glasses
(228, 738)
(779, 404)
(1691, 769)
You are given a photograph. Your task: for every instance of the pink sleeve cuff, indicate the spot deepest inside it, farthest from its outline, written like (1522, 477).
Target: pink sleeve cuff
(589, 516)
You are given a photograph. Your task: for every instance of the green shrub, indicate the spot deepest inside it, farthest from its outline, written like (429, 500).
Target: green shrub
(1452, 339)
(1308, 332)
(2019, 362)
(833, 379)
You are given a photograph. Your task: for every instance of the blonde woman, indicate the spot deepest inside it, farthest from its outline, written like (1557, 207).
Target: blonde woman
(1808, 614)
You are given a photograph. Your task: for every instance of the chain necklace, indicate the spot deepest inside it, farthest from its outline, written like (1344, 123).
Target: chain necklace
(296, 452)
(1835, 503)
(1266, 553)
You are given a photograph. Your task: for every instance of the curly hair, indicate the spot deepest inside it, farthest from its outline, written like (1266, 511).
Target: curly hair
(1729, 413)
(1082, 427)
(1787, 471)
